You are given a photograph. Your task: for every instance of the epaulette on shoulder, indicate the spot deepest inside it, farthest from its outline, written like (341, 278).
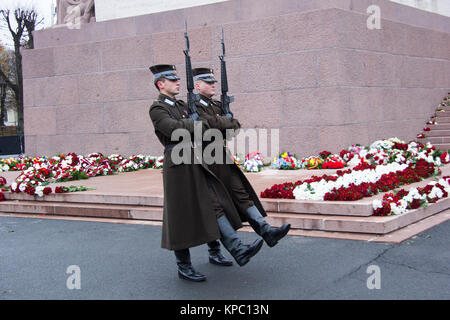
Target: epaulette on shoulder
(156, 103)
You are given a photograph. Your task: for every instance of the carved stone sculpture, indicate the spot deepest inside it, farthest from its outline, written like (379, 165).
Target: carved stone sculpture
(75, 12)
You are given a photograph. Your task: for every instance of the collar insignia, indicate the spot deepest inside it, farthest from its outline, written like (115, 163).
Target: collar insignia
(170, 102)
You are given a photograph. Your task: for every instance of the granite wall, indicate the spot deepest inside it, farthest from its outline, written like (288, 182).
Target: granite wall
(311, 69)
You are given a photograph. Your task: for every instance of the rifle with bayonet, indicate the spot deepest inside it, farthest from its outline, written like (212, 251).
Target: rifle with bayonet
(224, 97)
(191, 96)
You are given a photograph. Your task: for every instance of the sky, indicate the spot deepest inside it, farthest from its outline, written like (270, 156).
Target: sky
(42, 7)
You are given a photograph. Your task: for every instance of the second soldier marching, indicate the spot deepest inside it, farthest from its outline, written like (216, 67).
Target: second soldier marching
(244, 197)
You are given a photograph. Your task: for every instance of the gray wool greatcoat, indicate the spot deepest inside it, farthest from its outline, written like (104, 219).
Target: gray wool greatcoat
(189, 218)
(211, 110)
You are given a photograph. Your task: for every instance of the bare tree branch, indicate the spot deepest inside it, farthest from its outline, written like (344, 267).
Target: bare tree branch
(26, 23)
(5, 14)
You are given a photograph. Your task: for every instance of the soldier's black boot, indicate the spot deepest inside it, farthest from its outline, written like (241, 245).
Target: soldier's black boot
(215, 256)
(230, 240)
(185, 269)
(270, 234)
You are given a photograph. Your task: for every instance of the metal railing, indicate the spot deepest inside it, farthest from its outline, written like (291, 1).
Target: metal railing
(9, 131)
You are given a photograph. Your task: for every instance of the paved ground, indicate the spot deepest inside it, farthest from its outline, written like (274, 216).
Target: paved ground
(124, 261)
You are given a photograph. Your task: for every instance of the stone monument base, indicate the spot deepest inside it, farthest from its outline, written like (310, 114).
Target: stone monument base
(312, 70)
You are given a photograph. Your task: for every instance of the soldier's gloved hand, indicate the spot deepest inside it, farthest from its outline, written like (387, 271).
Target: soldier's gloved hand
(194, 116)
(229, 116)
(205, 126)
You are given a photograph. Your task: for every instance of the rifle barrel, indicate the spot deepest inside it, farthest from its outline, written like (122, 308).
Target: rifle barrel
(191, 97)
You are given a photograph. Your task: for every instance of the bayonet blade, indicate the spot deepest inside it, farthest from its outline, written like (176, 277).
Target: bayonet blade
(186, 35)
(223, 44)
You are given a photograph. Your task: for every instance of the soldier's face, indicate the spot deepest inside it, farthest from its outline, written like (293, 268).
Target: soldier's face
(171, 87)
(208, 89)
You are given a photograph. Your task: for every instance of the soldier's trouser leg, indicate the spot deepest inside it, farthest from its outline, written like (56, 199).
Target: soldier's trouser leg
(255, 219)
(185, 268)
(218, 209)
(216, 256)
(240, 195)
(229, 237)
(270, 234)
(231, 241)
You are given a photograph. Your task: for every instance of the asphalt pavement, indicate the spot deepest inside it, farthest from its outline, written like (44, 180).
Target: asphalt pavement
(64, 259)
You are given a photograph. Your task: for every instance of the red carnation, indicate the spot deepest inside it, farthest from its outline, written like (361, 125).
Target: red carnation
(443, 157)
(324, 154)
(30, 190)
(414, 204)
(384, 210)
(400, 146)
(60, 190)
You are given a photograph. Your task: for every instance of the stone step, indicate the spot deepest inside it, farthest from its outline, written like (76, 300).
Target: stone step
(443, 119)
(442, 146)
(439, 126)
(129, 197)
(330, 223)
(361, 208)
(366, 225)
(434, 140)
(444, 114)
(397, 236)
(92, 197)
(446, 108)
(82, 209)
(437, 133)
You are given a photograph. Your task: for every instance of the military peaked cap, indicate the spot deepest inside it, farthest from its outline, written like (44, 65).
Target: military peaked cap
(166, 71)
(205, 74)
